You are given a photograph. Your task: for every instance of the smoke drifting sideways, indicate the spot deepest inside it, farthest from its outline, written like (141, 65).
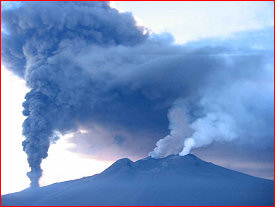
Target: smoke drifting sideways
(236, 104)
(85, 62)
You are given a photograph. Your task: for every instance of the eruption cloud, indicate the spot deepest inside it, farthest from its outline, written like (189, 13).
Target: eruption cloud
(39, 33)
(85, 62)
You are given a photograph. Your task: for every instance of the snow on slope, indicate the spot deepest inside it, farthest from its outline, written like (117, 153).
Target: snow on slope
(172, 180)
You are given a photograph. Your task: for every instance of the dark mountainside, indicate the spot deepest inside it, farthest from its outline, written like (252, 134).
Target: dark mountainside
(173, 180)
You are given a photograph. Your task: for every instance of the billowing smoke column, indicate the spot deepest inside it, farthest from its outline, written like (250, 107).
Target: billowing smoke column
(85, 62)
(39, 37)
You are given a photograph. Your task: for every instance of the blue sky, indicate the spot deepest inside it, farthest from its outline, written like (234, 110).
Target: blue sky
(195, 20)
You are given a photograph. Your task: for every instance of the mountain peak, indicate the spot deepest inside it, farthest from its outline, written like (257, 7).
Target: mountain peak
(171, 180)
(172, 156)
(168, 163)
(122, 161)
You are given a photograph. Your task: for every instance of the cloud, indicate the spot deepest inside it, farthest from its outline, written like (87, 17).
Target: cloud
(38, 43)
(247, 158)
(111, 143)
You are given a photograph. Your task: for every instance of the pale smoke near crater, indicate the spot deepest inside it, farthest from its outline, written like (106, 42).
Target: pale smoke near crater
(232, 112)
(203, 131)
(189, 143)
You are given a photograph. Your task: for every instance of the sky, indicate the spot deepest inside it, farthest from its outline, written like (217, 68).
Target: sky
(90, 150)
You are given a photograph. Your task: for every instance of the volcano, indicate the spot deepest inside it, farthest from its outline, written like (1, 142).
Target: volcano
(173, 180)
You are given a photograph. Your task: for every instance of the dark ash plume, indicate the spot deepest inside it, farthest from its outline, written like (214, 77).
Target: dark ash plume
(38, 32)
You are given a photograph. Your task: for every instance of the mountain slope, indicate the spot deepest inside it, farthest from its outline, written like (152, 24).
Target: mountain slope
(172, 180)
